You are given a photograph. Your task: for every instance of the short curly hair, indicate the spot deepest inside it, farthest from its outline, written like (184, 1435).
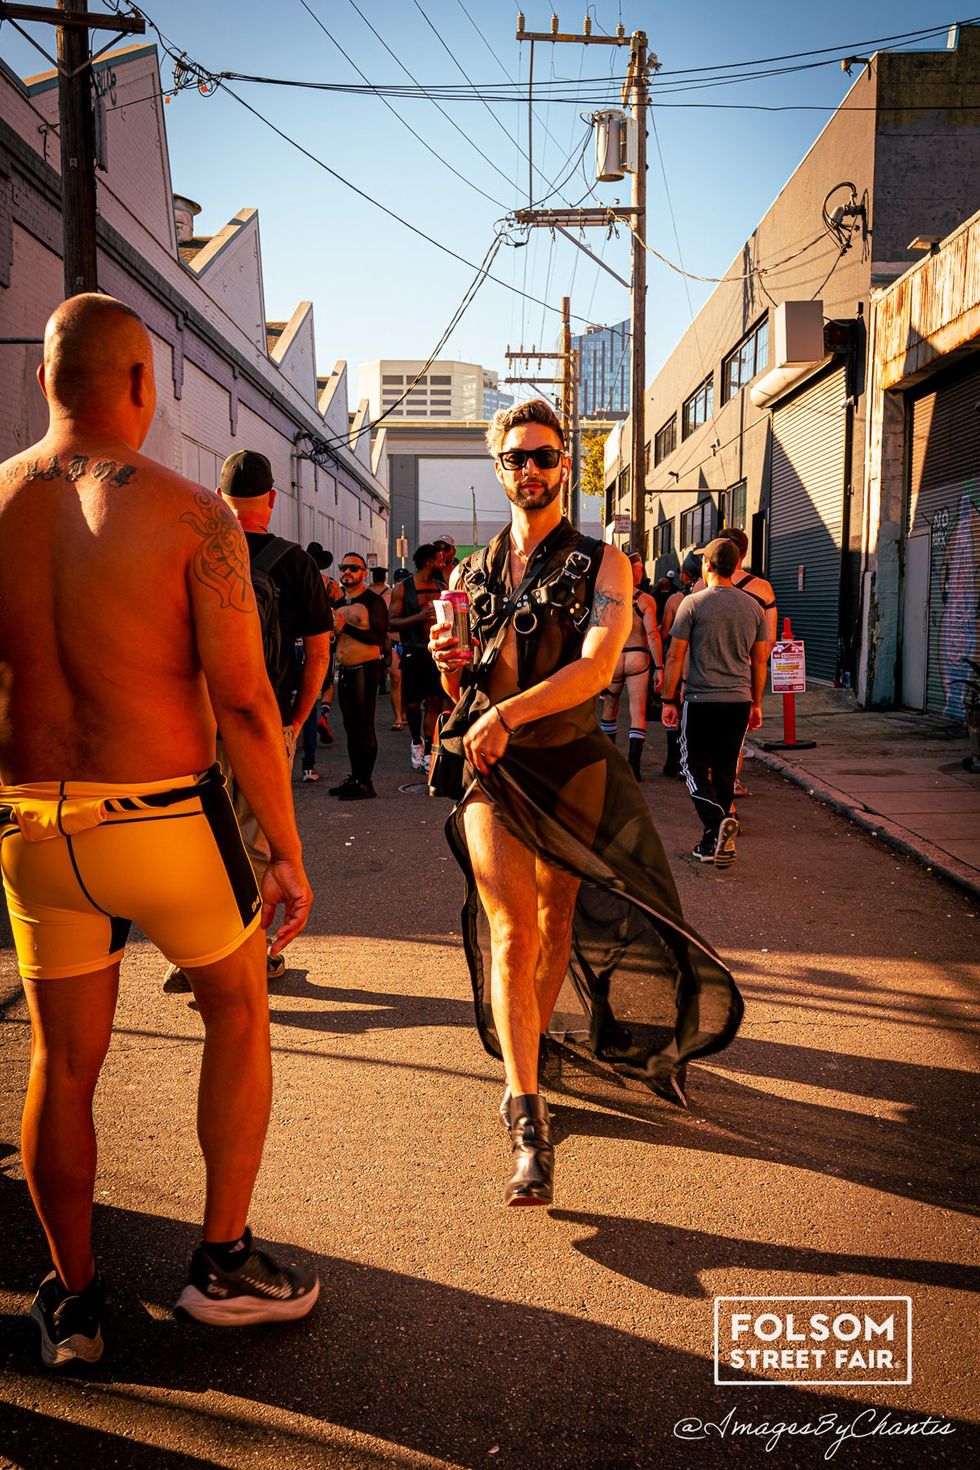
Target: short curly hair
(533, 411)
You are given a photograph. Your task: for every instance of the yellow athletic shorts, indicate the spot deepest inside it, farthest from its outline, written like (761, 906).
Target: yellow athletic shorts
(83, 861)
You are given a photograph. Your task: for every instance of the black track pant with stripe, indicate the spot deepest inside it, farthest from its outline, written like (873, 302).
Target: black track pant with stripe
(711, 737)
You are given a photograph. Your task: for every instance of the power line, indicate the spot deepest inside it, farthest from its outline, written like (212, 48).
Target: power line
(469, 182)
(459, 67)
(851, 46)
(452, 123)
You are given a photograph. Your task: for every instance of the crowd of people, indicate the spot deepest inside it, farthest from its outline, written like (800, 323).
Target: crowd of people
(237, 660)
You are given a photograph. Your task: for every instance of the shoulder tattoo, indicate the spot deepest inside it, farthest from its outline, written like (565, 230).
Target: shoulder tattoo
(221, 559)
(601, 602)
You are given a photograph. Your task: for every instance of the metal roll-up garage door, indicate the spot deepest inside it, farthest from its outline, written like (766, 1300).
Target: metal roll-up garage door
(806, 516)
(944, 504)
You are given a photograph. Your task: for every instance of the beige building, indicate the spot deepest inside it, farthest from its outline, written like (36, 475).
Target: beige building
(403, 388)
(758, 417)
(921, 645)
(227, 378)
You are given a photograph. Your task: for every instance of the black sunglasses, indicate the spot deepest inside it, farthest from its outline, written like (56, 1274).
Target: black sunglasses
(352, 566)
(516, 459)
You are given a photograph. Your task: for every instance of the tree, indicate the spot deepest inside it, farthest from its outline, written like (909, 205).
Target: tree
(592, 475)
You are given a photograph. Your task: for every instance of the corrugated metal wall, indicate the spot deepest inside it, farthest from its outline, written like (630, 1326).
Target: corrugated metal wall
(944, 500)
(806, 517)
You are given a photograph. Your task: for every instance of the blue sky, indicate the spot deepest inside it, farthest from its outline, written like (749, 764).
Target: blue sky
(379, 290)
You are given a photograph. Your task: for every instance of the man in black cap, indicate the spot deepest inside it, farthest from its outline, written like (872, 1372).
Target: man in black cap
(293, 604)
(724, 634)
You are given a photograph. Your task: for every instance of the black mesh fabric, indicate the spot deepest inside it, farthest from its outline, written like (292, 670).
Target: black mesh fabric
(644, 993)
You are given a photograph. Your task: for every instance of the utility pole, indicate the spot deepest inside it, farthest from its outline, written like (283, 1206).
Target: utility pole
(568, 383)
(636, 96)
(76, 126)
(636, 82)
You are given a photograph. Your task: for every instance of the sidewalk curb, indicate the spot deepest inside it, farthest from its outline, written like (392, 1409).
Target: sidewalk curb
(887, 831)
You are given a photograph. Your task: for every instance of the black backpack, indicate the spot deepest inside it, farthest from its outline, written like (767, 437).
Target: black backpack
(267, 603)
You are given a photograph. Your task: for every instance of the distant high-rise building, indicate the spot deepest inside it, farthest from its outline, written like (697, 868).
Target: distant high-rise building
(604, 371)
(456, 391)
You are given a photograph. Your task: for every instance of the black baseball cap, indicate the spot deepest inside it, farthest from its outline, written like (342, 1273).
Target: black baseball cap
(246, 474)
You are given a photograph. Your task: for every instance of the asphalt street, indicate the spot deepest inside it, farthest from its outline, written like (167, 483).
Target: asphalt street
(831, 1151)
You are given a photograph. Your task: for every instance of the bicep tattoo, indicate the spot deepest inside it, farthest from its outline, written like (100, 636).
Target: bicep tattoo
(221, 559)
(601, 602)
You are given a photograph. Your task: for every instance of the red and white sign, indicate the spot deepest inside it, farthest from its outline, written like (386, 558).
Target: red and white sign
(621, 525)
(788, 667)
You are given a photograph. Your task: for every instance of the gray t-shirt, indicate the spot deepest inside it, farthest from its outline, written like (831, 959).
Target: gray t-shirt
(720, 625)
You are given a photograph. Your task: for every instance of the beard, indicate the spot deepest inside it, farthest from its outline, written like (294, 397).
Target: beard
(533, 497)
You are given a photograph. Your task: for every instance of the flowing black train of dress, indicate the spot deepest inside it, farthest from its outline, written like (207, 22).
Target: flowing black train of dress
(651, 994)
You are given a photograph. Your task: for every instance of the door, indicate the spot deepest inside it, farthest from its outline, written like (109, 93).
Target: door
(806, 517)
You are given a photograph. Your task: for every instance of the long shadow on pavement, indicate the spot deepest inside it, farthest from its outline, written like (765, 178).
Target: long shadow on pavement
(420, 1364)
(930, 1154)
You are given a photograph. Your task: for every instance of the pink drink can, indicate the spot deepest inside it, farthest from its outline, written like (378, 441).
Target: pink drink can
(452, 610)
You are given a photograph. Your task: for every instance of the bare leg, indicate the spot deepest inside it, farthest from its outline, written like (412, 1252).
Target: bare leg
(395, 688)
(235, 1091)
(506, 880)
(611, 697)
(432, 711)
(71, 1021)
(638, 687)
(557, 892)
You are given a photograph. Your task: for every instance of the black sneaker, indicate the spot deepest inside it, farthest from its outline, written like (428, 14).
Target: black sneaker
(259, 1291)
(69, 1321)
(345, 783)
(725, 843)
(357, 791)
(705, 850)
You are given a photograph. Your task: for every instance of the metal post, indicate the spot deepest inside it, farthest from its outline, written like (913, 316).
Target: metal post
(473, 499)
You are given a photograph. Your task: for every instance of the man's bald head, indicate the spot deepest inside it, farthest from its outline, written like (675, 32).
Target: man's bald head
(98, 360)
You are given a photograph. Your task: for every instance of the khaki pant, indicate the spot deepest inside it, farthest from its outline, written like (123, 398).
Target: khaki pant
(258, 849)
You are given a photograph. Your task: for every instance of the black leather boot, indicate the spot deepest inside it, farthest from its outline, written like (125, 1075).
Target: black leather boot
(532, 1152)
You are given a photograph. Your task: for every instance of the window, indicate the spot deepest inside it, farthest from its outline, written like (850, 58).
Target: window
(646, 458)
(610, 502)
(698, 524)
(663, 538)
(731, 506)
(440, 378)
(392, 378)
(624, 485)
(749, 358)
(665, 440)
(699, 407)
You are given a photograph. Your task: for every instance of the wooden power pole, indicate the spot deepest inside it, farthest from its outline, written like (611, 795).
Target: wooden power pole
(568, 383)
(77, 126)
(635, 95)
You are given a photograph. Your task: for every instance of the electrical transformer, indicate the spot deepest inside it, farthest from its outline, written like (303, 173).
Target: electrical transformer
(615, 145)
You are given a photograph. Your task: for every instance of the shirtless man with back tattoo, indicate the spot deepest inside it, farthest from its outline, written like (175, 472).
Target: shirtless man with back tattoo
(128, 626)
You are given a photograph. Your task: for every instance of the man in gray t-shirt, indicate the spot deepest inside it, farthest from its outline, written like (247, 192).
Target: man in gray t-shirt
(723, 635)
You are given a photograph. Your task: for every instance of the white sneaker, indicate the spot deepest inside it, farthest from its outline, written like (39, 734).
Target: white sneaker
(418, 755)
